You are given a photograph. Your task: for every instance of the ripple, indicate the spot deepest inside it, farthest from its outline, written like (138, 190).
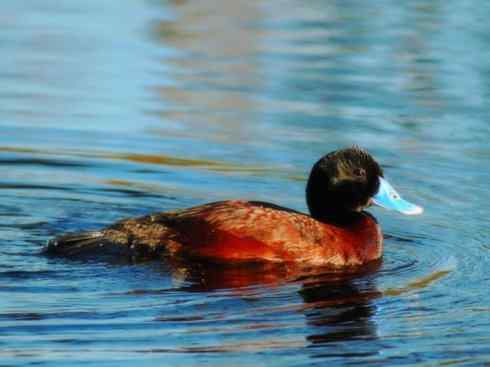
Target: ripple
(154, 159)
(29, 274)
(419, 283)
(41, 162)
(22, 186)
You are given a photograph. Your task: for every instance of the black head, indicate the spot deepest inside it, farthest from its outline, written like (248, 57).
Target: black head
(342, 183)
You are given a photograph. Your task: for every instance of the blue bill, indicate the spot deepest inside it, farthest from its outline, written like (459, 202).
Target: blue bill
(388, 198)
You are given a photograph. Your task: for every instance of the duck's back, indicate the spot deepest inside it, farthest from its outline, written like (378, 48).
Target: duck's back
(231, 231)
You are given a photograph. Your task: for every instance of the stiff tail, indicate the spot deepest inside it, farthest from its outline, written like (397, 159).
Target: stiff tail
(85, 244)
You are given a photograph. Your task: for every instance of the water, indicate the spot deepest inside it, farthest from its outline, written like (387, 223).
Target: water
(115, 109)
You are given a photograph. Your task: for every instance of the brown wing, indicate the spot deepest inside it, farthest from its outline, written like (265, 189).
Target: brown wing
(241, 230)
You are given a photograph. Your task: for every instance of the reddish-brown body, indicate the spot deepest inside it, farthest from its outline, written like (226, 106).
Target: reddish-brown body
(231, 231)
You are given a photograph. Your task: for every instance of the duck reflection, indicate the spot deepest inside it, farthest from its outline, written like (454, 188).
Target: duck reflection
(337, 305)
(340, 309)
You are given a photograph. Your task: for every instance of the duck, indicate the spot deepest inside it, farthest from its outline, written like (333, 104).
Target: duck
(337, 232)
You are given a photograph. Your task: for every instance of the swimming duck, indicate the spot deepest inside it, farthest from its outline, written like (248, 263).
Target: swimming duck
(338, 232)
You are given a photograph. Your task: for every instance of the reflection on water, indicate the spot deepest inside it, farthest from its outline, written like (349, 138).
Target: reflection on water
(214, 71)
(336, 305)
(110, 110)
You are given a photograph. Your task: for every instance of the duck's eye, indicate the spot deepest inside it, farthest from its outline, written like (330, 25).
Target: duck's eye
(359, 172)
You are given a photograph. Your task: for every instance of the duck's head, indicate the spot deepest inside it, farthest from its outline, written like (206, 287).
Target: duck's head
(347, 181)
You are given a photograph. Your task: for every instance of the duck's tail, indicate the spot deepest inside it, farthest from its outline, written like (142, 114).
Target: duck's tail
(84, 244)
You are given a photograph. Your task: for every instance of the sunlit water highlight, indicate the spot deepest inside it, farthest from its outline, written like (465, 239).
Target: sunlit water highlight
(116, 109)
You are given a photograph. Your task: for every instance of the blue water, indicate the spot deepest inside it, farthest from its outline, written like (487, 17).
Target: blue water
(111, 109)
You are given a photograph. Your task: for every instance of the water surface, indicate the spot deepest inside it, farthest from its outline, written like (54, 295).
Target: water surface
(116, 109)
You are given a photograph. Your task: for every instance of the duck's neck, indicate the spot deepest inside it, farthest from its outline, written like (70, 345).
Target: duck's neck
(329, 208)
(341, 218)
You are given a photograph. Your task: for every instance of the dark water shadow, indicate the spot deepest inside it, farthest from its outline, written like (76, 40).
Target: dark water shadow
(337, 304)
(340, 310)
